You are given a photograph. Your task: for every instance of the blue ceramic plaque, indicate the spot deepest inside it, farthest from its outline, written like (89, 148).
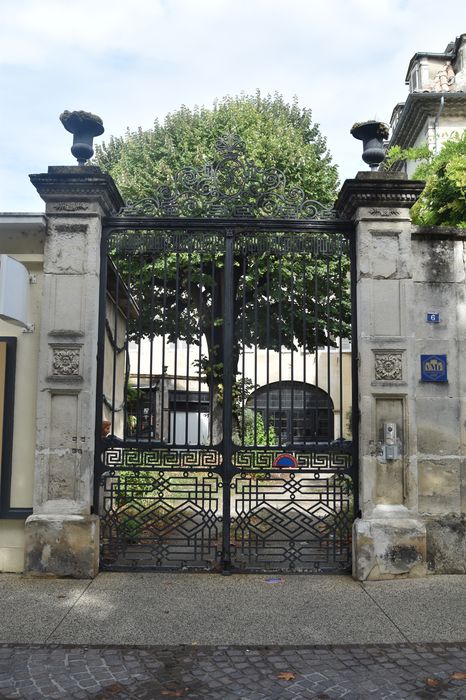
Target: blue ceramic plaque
(433, 318)
(434, 368)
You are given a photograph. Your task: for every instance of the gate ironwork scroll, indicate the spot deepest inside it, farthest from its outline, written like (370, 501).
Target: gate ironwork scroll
(226, 378)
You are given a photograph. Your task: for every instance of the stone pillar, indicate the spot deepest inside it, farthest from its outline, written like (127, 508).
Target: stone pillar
(62, 535)
(389, 539)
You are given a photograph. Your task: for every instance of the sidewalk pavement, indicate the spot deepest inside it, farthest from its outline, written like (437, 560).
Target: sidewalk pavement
(172, 608)
(244, 637)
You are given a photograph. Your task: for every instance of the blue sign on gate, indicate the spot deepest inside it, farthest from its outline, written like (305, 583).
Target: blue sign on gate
(434, 368)
(285, 460)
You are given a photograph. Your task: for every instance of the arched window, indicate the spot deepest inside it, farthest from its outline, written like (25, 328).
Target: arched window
(299, 413)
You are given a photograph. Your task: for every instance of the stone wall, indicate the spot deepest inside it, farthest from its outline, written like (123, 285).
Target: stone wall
(439, 286)
(411, 487)
(62, 534)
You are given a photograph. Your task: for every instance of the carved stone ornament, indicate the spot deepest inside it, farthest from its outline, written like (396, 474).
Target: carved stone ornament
(388, 366)
(71, 228)
(384, 212)
(70, 206)
(65, 361)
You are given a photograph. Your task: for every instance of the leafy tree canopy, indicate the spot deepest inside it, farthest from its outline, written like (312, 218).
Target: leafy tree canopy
(274, 133)
(443, 201)
(280, 299)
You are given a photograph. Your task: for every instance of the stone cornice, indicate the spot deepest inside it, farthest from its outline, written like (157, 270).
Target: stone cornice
(446, 232)
(377, 189)
(68, 184)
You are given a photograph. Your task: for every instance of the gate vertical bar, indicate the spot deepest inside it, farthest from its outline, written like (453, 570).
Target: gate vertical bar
(228, 339)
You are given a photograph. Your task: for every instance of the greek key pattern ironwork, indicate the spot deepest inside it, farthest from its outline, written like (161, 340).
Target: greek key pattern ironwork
(281, 244)
(232, 186)
(117, 458)
(252, 460)
(162, 242)
(184, 242)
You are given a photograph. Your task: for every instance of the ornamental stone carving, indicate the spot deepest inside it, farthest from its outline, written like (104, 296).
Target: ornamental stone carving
(71, 228)
(65, 362)
(384, 212)
(388, 366)
(70, 206)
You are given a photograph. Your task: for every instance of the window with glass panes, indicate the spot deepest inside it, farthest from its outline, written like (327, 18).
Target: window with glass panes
(299, 413)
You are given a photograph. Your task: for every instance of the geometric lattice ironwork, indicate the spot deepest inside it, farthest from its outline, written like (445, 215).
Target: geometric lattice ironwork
(283, 520)
(291, 521)
(226, 379)
(164, 520)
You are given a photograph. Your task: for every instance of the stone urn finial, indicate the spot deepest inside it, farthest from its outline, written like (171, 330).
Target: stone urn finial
(372, 134)
(84, 126)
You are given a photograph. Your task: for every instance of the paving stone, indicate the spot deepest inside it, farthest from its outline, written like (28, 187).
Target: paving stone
(384, 672)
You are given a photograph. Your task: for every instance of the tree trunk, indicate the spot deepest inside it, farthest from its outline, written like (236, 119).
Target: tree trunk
(217, 417)
(214, 337)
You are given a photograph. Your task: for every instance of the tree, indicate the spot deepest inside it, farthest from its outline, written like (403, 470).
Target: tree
(443, 201)
(274, 133)
(181, 293)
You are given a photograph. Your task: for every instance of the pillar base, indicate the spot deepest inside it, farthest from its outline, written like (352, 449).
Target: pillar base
(390, 544)
(446, 543)
(62, 545)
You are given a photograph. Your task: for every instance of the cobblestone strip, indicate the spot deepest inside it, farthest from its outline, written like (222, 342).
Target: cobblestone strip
(371, 672)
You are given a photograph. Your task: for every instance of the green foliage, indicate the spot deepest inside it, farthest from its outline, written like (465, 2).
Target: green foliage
(254, 430)
(443, 201)
(129, 528)
(396, 154)
(133, 395)
(132, 392)
(274, 133)
(180, 294)
(132, 422)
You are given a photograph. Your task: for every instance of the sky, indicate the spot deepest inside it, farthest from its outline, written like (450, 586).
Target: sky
(131, 61)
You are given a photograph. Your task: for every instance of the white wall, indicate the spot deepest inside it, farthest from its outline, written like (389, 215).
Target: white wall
(24, 434)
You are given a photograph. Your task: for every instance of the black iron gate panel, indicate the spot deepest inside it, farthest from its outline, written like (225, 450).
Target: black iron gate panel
(227, 376)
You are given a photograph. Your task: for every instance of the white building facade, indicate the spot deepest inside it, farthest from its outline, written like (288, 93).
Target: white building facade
(435, 109)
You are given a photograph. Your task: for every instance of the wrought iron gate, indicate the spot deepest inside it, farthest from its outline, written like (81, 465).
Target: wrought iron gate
(226, 377)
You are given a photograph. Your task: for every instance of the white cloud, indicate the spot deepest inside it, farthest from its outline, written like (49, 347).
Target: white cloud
(133, 61)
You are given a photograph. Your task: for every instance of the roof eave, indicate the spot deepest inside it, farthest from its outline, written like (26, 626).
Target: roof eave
(416, 111)
(428, 54)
